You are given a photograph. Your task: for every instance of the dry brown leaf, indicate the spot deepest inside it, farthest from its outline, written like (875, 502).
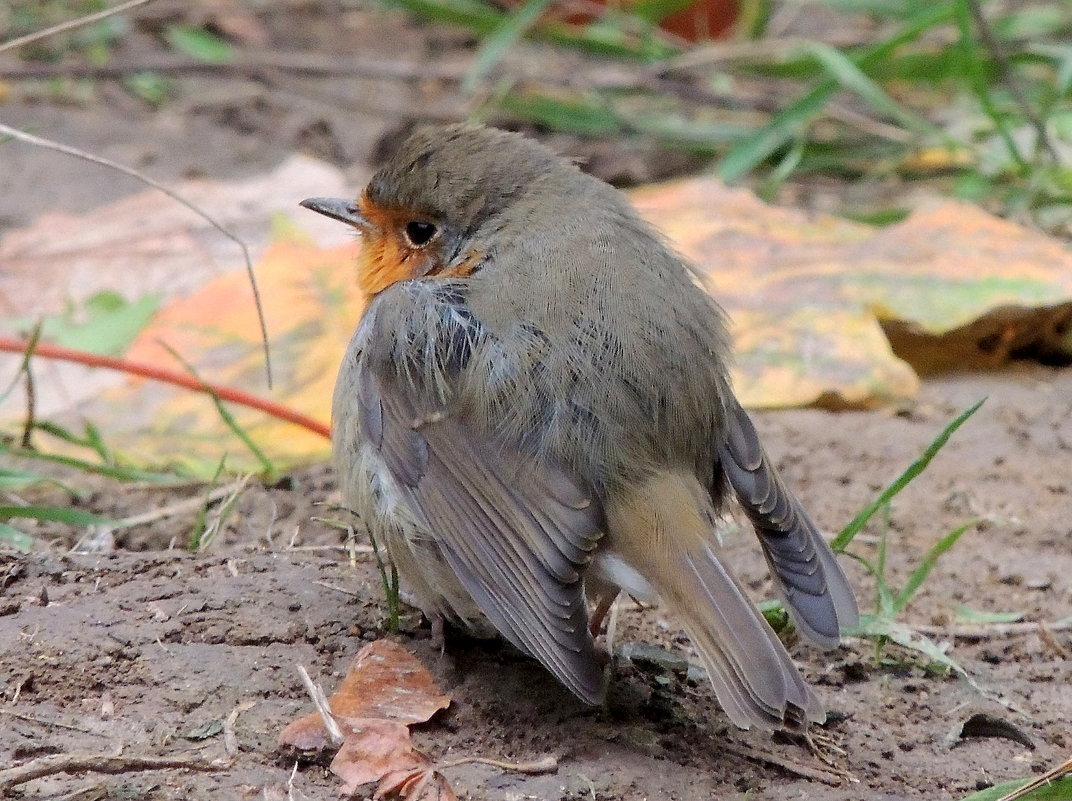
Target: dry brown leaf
(387, 681)
(419, 784)
(373, 749)
(824, 311)
(385, 690)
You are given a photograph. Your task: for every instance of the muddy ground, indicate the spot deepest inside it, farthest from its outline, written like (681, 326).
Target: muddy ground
(147, 650)
(140, 647)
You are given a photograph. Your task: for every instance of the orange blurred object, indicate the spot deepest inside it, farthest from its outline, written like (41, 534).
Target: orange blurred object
(700, 20)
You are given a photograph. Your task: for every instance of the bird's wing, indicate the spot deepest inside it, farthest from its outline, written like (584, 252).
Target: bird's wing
(515, 530)
(815, 588)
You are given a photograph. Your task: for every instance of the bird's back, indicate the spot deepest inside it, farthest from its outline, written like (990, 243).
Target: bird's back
(620, 356)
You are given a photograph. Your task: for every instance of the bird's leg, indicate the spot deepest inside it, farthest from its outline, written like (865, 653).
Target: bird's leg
(599, 614)
(439, 639)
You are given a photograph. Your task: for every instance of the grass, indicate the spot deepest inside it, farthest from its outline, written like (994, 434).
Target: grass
(881, 625)
(976, 96)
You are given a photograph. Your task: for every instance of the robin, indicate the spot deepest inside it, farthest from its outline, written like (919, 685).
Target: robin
(535, 412)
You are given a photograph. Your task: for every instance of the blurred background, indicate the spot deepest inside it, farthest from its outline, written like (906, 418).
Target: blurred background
(848, 106)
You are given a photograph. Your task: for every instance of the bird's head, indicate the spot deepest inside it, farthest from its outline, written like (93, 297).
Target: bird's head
(424, 212)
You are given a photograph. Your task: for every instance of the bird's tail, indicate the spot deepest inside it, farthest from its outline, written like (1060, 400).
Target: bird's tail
(664, 531)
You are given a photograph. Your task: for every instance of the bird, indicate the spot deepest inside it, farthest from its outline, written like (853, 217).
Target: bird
(535, 414)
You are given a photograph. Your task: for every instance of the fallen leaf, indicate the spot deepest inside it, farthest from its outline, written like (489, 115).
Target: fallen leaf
(374, 749)
(387, 681)
(385, 690)
(419, 784)
(824, 311)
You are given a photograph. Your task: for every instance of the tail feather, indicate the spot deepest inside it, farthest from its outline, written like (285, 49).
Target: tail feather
(663, 532)
(816, 591)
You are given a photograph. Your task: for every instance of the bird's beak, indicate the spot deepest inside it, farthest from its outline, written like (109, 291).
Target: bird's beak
(338, 209)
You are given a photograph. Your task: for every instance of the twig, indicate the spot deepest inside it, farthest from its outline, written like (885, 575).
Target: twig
(1007, 75)
(344, 591)
(97, 763)
(547, 764)
(1046, 635)
(170, 377)
(343, 548)
(31, 388)
(869, 126)
(320, 701)
(53, 723)
(70, 24)
(230, 739)
(830, 777)
(181, 507)
(1046, 778)
(992, 630)
(48, 144)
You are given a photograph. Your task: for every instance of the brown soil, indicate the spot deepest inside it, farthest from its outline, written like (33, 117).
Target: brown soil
(138, 648)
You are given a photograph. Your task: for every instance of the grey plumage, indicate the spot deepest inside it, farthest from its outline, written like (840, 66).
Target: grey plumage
(561, 411)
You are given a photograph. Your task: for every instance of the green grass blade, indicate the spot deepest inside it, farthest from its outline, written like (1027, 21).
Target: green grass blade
(582, 114)
(267, 468)
(846, 534)
(1059, 790)
(496, 45)
(117, 472)
(924, 568)
(788, 123)
(14, 538)
(965, 614)
(880, 626)
(842, 69)
(974, 66)
(57, 514)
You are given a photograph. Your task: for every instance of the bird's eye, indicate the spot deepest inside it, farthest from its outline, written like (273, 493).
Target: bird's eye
(419, 232)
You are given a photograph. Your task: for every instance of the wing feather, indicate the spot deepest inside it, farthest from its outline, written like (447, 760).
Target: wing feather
(515, 530)
(814, 586)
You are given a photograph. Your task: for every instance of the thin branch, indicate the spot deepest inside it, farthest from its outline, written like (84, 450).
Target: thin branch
(1007, 75)
(547, 764)
(96, 763)
(71, 23)
(48, 144)
(320, 701)
(318, 64)
(169, 377)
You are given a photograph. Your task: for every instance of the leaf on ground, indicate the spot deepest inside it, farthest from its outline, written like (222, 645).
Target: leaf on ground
(385, 690)
(147, 245)
(373, 750)
(107, 323)
(824, 311)
(311, 305)
(827, 311)
(419, 784)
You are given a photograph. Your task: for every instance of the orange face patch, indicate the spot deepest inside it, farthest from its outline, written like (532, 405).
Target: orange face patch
(384, 259)
(387, 256)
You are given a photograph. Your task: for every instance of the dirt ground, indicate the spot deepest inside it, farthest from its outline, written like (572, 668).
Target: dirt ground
(140, 647)
(149, 650)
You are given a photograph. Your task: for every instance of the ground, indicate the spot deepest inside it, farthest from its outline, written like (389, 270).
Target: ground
(144, 646)
(139, 647)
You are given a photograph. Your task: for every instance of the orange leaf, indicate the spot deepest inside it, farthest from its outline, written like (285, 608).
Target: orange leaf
(385, 690)
(387, 681)
(420, 784)
(373, 749)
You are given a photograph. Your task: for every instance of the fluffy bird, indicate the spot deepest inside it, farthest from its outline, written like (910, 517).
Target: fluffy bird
(535, 413)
